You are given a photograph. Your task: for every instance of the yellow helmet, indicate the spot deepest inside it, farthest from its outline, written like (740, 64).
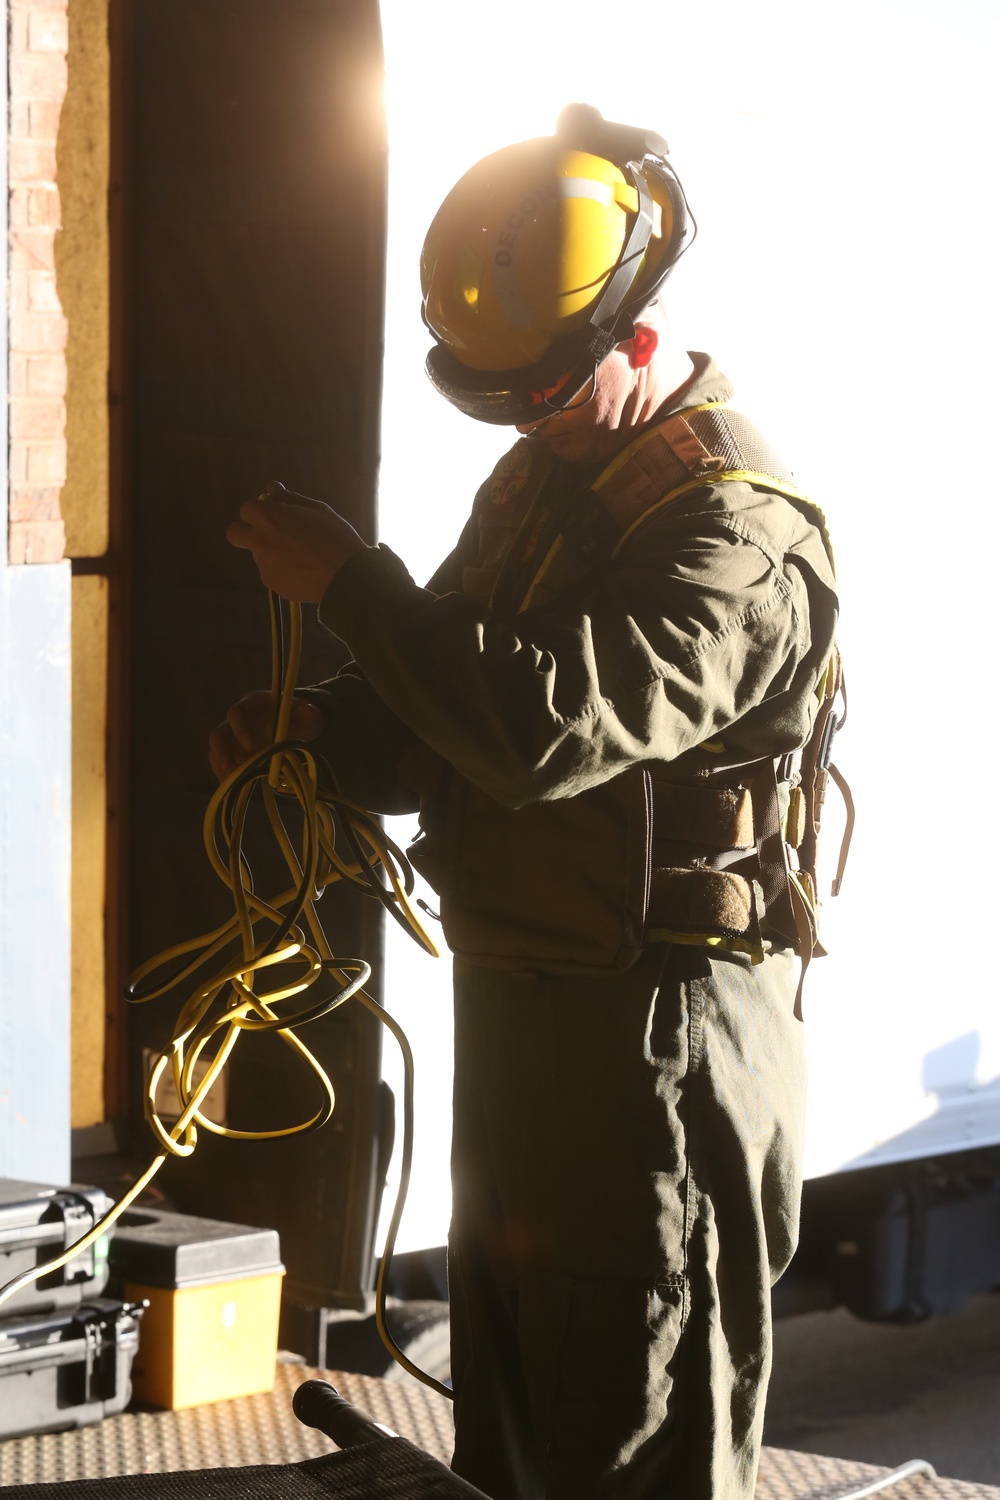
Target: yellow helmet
(538, 258)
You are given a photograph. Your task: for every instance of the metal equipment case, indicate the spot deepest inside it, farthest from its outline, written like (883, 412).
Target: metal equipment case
(37, 1223)
(68, 1369)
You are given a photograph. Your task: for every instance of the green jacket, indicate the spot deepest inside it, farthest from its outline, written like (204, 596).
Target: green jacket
(529, 740)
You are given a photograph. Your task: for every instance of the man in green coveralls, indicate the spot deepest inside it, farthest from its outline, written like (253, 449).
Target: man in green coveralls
(594, 703)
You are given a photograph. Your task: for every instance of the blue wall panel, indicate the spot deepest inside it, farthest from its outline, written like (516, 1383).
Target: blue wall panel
(34, 872)
(34, 839)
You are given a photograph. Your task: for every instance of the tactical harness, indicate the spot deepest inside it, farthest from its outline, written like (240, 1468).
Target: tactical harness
(730, 855)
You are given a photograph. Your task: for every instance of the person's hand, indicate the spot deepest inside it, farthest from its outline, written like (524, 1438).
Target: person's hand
(249, 726)
(298, 544)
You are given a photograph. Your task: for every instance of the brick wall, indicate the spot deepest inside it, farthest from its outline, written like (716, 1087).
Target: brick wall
(37, 326)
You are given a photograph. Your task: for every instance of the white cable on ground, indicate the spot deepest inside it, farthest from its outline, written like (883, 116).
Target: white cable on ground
(906, 1471)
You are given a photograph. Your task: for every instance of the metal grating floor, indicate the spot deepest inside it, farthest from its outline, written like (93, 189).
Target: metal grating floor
(262, 1430)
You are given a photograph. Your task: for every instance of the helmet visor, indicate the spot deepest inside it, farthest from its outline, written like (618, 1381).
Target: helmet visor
(510, 397)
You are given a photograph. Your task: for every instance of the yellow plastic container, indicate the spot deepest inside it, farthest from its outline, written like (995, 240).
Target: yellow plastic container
(214, 1292)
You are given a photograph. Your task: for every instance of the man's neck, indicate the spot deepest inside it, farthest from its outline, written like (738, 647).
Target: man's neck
(667, 377)
(673, 378)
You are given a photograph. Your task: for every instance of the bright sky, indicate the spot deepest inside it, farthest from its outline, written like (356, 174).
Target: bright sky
(841, 162)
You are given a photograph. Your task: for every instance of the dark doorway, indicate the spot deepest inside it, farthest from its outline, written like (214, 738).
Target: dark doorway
(249, 235)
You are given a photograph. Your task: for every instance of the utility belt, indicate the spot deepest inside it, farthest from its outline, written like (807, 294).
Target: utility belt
(580, 885)
(700, 850)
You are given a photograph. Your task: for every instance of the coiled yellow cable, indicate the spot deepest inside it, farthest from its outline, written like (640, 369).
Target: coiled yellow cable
(284, 930)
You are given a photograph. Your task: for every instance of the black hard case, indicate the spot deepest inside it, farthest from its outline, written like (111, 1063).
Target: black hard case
(36, 1224)
(68, 1369)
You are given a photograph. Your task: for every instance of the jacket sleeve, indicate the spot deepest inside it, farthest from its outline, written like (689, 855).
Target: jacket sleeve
(363, 743)
(694, 626)
(376, 759)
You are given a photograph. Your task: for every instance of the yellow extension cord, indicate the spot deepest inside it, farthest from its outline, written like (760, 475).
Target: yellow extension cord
(285, 929)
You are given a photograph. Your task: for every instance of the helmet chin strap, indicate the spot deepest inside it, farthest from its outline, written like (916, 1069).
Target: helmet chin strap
(573, 403)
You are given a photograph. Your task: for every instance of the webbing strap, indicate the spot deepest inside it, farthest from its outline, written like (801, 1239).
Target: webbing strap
(652, 468)
(805, 927)
(635, 482)
(845, 843)
(772, 852)
(688, 446)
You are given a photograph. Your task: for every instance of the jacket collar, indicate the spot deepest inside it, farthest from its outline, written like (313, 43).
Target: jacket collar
(707, 384)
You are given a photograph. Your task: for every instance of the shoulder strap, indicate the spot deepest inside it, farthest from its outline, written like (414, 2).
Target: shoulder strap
(700, 445)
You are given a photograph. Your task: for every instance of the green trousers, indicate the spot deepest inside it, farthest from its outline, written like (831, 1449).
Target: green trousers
(626, 1169)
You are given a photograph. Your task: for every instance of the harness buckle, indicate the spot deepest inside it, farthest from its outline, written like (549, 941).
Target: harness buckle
(785, 768)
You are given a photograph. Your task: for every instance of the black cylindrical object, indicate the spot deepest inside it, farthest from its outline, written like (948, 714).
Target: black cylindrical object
(319, 1404)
